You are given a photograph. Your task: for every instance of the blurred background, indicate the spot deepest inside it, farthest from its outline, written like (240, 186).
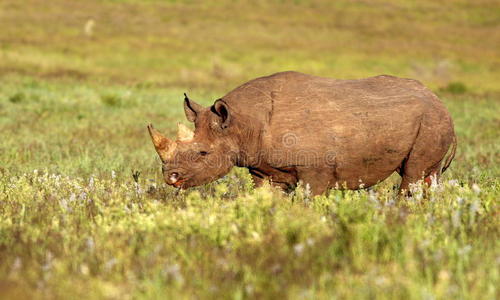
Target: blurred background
(218, 44)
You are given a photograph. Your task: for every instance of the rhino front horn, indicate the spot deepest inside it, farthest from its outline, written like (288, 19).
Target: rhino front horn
(163, 145)
(184, 134)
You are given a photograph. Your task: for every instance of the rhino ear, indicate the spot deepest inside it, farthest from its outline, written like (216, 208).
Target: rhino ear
(191, 108)
(222, 110)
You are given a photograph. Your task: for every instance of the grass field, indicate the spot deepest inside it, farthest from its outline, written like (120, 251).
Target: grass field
(83, 209)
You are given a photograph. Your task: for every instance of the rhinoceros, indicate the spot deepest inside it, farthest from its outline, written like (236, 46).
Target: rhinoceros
(291, 127)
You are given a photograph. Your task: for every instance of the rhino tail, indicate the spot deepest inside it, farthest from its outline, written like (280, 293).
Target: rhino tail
(451, 155)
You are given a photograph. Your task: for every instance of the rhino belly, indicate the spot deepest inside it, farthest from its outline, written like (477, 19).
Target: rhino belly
(374, 150)
(361, 148)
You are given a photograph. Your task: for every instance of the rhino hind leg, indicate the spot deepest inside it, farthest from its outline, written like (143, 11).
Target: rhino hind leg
(425, 160)
(416, 172)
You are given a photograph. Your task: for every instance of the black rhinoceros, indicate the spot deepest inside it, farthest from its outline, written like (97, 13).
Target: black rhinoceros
(290, 127)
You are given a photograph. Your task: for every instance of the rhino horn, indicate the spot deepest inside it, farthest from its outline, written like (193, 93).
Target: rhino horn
(163, 145)
(184, 134)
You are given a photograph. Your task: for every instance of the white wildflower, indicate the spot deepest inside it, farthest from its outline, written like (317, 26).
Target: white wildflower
(17, 265)
(255, 236)
(82, 196)
(373, 197)
(381, 280)
(138, 188)
(110, 264)
(298, 248)
(434, 181)
(307, 191)
(64, 204)
(90, 244)
(464, 250)
(211, 219)
(84, 269)
(425, 243)
(443, 275)
(72, 197)
(476, 188)
(474, 207)
(249, 289)
(91, 182)
(455, 219)
(48, 262)
(88, 28)
(173, 272)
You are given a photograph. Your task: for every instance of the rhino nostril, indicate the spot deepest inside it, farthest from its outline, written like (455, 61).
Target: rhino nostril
(174, 176)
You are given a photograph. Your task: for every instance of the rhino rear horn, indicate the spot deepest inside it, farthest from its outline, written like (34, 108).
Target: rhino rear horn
(184, 134)
(164, 146)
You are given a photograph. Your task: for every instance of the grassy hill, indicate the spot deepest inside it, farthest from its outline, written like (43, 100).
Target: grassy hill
(217, 44)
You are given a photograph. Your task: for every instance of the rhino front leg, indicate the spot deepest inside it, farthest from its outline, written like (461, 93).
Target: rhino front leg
(284, 178)
(258, 178)
(257, 181)
(319, 180)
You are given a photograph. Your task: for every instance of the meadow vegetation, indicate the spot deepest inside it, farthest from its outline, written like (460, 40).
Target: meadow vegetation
(83, 209)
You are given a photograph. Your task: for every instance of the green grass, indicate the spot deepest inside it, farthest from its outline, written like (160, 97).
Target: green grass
(76, 223)
(219, 44)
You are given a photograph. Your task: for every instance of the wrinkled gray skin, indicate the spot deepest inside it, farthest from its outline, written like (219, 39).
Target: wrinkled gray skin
(290, 127)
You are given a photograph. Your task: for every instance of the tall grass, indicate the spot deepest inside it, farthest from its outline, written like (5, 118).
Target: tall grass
(75, 222)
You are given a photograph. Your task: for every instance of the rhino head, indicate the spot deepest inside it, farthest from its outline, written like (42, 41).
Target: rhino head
(202, 156)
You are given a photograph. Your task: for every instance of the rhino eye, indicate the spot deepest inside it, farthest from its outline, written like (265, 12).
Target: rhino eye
(203, 153)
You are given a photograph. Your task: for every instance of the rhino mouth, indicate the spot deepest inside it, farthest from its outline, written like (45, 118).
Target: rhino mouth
(180, 182)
